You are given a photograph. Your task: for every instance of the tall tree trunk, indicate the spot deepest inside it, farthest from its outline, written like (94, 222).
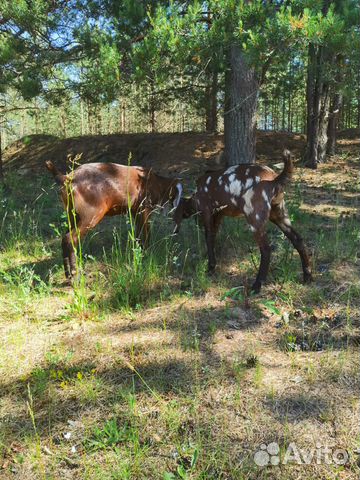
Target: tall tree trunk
(277, 103)
(123, 116)
(152, 117)
(211, 103)
(290, 113)
(82, 129)
(318, 103)
(323, 122)
(152, 108)
(265, 114)
(313, 107)
(283, 111)
(333, 123)
(241, 95)
(98, 120)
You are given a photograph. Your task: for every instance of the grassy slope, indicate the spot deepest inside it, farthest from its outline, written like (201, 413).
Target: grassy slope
(155, 371)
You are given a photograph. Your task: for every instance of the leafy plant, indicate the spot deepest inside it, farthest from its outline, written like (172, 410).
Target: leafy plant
(271, 306)
(235, 293)
(109, 436)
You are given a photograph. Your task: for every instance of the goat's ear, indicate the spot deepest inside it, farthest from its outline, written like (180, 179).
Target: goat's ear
(177, 198)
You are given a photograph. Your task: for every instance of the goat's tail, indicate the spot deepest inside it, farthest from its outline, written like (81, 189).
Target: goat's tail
(58, 176)
(286, 174)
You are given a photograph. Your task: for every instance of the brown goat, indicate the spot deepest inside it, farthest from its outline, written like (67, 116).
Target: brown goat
(95, 190)
(250, 190)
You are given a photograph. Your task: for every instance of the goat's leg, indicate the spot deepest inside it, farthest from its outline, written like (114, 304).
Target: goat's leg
(263, 243)
(298, 243)
(217, 222)
(69, 258)
(210, 241)
(142, 227)
(67, 251)
(70, 241)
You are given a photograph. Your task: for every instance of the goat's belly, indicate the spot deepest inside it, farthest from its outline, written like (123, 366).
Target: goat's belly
(232, 212)
(116, 210)
(229, 211)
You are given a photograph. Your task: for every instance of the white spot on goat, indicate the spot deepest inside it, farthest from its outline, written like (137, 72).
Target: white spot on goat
(248, 208)
(227, 189)
(206, 189)
(221, 208)
(247, 171)
(257, 179)
(232, 177)
(220, 180)
(248, 183)
(208, 180)
(233, 201)
(230, 170)
(257, 216)
(266, 198)
(235, 188)
(253, 229)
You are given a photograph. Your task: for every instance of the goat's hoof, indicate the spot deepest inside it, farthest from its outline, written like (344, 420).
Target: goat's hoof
(256, 287)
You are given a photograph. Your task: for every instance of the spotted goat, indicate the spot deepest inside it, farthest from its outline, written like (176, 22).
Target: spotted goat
(95, 190)
(254, 191)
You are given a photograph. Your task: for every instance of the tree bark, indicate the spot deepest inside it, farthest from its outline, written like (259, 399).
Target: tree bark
(241, 96)
(333, 123)
(211, 104)
(82, 130)
(323, 122)
(122, 116)
(318, 104)
(313, 106)
(265, 114)
(320, 60)
(283, 111)
(152, 117)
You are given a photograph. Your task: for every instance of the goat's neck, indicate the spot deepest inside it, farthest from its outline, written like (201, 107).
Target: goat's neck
(158, 189)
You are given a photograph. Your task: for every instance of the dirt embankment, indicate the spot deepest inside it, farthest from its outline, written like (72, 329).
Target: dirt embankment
(183, 154)
(178, 153)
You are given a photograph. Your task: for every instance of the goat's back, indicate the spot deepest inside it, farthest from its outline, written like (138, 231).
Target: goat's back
(238, 189)
(106, 185)
(243, 173)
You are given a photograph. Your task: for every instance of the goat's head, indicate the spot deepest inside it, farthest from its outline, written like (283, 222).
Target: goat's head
(172, 197)
(185, 209)
(175, 194)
